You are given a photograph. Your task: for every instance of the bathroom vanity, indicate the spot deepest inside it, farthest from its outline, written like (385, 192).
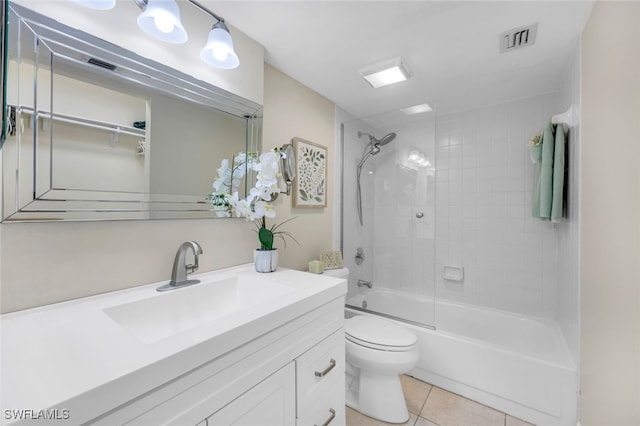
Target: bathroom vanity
(257, 349)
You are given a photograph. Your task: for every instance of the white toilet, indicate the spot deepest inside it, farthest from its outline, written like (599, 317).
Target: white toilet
(378, 351)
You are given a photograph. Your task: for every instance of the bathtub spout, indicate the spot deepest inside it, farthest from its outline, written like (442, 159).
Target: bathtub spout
(363, 283)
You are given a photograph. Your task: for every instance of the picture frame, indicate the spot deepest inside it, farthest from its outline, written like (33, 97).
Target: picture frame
(310, 185)
(332, 259)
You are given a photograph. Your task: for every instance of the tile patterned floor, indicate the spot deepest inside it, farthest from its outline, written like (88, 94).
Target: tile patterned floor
(431, 406)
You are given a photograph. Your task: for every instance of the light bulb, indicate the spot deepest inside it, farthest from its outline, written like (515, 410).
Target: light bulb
(219, 48)
(219, 51)
(164, 21)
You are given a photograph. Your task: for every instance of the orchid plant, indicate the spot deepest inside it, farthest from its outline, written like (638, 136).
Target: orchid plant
(258, 205)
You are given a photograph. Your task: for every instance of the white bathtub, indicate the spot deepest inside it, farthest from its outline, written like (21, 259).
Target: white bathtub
(516, 364)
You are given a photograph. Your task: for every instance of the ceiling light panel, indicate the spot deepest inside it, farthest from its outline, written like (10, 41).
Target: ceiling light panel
(416, 109)
(385, 73)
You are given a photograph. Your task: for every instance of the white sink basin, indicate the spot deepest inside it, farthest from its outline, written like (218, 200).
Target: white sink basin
(173, 312)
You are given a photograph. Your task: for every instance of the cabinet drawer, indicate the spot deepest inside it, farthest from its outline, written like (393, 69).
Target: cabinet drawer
(270, 403)
(329, 411)
(318, 368)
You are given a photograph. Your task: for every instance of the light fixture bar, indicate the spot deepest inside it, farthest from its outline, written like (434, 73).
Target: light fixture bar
(205, 10)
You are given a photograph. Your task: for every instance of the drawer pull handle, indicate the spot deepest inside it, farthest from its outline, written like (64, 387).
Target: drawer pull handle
(330, 419)
(332, 363)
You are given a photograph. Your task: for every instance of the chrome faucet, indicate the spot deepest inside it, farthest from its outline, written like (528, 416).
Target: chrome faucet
(363, 283)
(181, 269)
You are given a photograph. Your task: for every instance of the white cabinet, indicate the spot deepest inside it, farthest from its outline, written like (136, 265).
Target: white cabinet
(269, 403)
(320, 382)
(292, 375)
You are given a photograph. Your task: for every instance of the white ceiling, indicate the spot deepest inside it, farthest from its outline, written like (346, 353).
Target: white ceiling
(451, 48)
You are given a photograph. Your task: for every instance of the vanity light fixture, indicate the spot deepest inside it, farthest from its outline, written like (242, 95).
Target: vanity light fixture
(385, 73)
(161, 19)
(416, 109)
(219, 48)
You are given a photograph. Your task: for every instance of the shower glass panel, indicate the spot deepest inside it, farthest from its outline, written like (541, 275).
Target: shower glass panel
(388, 213)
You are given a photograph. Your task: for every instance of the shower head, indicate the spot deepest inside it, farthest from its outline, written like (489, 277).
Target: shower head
(386, 139)
(378, 142)
(372, 148)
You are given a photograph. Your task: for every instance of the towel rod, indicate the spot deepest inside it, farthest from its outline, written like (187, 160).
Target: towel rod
(568, 117)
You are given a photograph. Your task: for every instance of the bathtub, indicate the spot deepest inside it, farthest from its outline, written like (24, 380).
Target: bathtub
(516, 364)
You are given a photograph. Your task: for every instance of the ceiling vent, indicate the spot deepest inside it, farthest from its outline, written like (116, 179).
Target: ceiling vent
(99, 63)
(518, 37)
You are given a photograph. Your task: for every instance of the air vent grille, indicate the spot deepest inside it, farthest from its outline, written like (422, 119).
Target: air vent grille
(100, 63)
(518, 37)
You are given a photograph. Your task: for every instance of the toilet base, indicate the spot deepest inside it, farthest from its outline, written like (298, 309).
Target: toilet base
(376, 395)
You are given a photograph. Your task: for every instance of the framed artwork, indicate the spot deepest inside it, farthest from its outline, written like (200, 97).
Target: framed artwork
(331, 259)
(310, 185)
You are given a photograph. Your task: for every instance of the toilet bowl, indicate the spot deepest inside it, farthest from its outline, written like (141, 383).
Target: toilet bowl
(377, 352)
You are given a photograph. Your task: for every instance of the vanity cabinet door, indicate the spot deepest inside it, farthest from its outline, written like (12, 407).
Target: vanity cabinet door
(319, 368)
(320, 382)
(271, 402)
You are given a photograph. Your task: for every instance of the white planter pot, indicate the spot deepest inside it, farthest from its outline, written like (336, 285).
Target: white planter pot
(266, 260)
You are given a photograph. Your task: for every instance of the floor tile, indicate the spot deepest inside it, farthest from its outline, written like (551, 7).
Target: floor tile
(355, 418)
(424, 422)
(415, 393)
(512, 421)
(448, 409)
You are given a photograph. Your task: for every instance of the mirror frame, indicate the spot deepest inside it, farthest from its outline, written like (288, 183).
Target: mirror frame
(53, 205)
(4, 20)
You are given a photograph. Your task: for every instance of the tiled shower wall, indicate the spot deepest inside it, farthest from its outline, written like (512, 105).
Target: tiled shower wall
(484, 181)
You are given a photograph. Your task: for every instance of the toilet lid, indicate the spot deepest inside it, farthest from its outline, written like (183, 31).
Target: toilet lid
(378, 333)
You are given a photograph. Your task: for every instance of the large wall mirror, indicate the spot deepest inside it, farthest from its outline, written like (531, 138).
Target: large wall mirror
(95, 131)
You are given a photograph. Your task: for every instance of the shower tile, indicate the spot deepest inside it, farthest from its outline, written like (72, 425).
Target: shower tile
(448, 409)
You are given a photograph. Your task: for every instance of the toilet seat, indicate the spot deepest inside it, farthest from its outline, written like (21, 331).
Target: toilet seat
(379, 334)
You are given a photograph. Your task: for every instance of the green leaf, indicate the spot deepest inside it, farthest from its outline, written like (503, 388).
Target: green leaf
(303, 194)
(266, 238)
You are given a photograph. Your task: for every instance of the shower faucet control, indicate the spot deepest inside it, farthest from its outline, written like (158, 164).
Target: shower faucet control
(359, 256)
(363, 283)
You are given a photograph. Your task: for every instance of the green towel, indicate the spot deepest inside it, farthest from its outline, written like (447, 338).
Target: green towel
(558, 175)
(547, 152)
(536, 157)
(543, 191)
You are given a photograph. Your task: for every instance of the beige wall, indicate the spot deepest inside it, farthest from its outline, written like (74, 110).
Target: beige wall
(293, 110)
(43, 263)
(610, 217)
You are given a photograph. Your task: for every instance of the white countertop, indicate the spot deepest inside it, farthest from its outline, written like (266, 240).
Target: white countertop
(59, 356)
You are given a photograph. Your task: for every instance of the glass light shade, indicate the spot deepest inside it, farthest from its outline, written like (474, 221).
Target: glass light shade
(97, 4)
(161, 19)
(219, 48)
